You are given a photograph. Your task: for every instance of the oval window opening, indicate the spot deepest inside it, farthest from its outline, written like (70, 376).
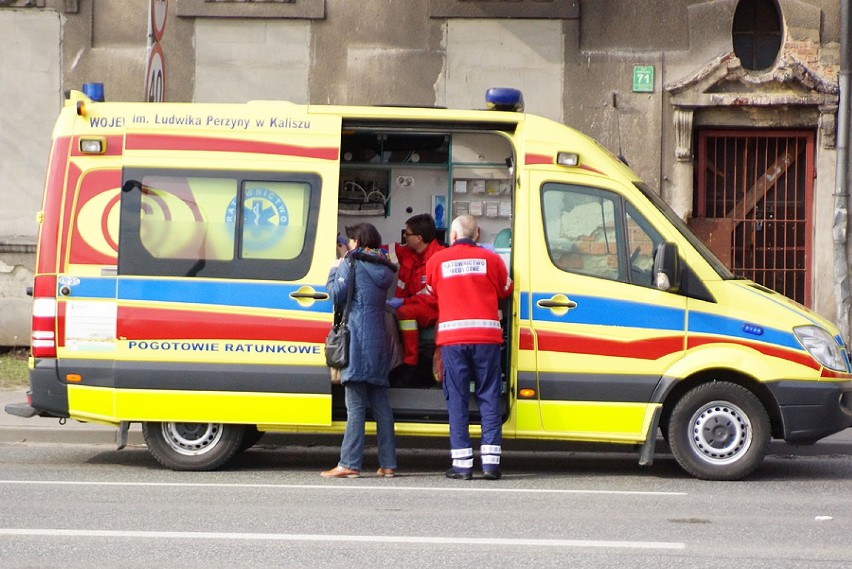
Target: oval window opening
(757, 33)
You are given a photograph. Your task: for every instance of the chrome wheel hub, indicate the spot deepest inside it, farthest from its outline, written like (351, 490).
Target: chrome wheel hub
(721, 433)
(192, 439)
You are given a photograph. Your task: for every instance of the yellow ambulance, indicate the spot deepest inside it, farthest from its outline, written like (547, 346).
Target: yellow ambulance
(184, 249)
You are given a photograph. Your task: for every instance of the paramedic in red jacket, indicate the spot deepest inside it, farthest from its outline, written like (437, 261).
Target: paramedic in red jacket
(468, 282)
(415, 310)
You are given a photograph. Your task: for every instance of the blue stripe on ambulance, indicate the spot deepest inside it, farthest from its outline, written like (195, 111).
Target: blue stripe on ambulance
(595, 310)
(224, 293)
(704, 323)
(89, 287)
(599, 311)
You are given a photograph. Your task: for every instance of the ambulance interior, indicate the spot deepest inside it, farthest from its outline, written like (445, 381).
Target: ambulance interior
(390, 173)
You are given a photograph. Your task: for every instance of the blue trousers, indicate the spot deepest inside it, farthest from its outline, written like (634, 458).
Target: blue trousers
(480, 363)
(358, 396)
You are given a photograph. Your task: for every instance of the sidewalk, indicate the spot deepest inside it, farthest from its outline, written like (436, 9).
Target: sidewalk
(15, 429)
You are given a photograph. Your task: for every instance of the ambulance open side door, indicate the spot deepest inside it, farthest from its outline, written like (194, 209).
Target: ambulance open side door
(222, 305)
(603, 334)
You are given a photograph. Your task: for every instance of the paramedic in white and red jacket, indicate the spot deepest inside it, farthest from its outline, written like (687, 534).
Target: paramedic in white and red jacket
(468, 282)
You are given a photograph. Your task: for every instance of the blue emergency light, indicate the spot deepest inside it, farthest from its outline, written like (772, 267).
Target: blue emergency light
(504, 99)
(94, 91)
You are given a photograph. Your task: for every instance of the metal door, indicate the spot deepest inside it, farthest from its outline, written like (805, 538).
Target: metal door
(754, 205)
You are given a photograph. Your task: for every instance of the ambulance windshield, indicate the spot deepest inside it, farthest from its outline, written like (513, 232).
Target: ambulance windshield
(681, 226)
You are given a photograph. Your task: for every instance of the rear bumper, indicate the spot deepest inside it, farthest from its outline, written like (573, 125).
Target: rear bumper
(813, 410)
(48, 396)
(21, 410)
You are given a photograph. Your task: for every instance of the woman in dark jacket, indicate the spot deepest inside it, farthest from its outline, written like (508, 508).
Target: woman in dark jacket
(365, 379)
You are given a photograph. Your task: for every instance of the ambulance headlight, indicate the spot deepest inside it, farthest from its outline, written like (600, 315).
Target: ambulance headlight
(567, 159)
(821, 346)
(96, 145)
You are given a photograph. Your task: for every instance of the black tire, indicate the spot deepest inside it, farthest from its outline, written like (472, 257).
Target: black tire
(719, 431)
(251, 436)
(664, 430)
(193, 446)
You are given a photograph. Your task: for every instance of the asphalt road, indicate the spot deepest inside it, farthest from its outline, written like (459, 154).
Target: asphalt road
(89, 506)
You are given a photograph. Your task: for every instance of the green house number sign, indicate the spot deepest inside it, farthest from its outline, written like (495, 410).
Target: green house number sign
(643, 78)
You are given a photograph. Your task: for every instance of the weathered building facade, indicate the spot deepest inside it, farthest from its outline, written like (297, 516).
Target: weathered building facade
(729, 107)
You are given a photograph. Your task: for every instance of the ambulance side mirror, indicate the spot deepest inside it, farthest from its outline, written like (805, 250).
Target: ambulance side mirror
(666, 267)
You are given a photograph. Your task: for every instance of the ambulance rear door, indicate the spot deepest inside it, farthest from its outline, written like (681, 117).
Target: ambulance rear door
(602, 334)
(226, 238)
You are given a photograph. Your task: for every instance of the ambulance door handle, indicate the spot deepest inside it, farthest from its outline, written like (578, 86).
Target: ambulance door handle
(312, 295)
(306, 295)
(563, 302)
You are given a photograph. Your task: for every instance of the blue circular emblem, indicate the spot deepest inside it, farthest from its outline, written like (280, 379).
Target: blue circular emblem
(265, 216)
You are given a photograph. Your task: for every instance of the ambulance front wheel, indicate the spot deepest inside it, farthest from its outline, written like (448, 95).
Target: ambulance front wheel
(193, 446)
(719, 431)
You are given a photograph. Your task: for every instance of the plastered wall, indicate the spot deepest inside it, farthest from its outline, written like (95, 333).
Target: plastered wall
(577, 68)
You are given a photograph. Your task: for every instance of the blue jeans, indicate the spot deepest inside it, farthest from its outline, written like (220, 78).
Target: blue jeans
(358, 396)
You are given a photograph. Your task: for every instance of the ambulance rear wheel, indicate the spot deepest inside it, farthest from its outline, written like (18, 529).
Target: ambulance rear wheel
(251, 436)
(193, 446)
(719, 431)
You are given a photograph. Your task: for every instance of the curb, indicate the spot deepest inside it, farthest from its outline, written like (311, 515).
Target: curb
(60, 435)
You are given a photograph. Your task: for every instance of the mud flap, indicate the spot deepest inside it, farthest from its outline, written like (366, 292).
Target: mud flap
(646, 455)
(121, 435)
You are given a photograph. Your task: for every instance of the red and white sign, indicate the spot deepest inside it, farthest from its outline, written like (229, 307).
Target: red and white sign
(155, 70)
(159, 9)
(155, 80)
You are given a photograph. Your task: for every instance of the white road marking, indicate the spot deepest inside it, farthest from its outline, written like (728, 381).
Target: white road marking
(348, 485)
(478, 541)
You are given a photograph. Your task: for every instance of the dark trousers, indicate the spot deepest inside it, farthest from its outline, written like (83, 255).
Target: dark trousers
(480, 363)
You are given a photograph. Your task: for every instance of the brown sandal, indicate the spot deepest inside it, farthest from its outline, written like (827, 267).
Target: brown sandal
(340, 472)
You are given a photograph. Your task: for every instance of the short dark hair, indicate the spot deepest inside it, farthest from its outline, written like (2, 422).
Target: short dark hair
(365, 235)
(423, 225)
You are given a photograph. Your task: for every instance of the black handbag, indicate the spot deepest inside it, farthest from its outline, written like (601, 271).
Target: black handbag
(337, 341)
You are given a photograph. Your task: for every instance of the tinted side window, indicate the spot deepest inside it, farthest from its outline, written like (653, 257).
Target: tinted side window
(275, 216)
(215, 224)
(177, 220)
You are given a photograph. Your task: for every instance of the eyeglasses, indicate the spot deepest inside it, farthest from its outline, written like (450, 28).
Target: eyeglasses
(406, 234)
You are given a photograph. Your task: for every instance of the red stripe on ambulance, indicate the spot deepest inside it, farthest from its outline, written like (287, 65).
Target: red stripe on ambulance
(646, 349)
(164, 324)
(172, 142)
(49, 230)
(74, 174)
(801, 358)
(530, 159)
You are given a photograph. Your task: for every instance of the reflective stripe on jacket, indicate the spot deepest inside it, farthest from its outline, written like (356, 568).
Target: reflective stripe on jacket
(468, 282)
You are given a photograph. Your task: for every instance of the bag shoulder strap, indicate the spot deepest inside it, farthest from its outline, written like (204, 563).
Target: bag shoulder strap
(350, 292)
